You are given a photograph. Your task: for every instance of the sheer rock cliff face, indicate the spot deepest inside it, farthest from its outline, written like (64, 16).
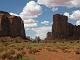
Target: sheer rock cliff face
(10, 25)
(61, 29)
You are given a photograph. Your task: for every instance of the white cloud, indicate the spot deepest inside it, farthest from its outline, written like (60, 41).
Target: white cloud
(42, 31)
(74, 16)
(27, 29)
(54, 3)
(66, 14)
(45, 22)
(13, 14)
(78, 22)
(31, 10)
(76, 3)
(54, 9)
(30, 23)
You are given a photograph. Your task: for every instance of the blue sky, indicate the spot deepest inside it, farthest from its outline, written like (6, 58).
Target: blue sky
(15, 6)
(38, 14)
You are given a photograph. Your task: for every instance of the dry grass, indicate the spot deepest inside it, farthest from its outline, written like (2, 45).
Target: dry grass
(17, 50)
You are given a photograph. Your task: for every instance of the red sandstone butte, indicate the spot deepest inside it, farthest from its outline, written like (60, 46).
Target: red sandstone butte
(62, 29)
(10, 25)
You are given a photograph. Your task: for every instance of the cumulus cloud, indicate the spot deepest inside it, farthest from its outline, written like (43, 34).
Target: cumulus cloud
(67, 14)
(13, 14)
(54, 3)
(76, 3)
(78, 23)
(45, 22)
(30, 23)
(74, 16)
(31, 10)
(42, 31)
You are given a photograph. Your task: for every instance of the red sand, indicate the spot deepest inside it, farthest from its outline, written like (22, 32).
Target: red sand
(59, 55)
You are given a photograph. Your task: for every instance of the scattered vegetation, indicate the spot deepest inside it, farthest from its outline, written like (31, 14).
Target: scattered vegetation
(18, 50)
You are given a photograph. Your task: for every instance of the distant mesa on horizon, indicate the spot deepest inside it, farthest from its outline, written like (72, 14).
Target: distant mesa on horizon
(11, 26)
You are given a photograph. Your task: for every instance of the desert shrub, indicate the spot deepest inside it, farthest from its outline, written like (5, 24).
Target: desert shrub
(26, 58)
(72, 42)
(21, 56)
(54, 41)
(77, 42)
(7, 54)
(19, 48)
(33, 50)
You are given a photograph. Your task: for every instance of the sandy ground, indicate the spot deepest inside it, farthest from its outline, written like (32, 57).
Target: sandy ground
(45, 55)
(57, 54)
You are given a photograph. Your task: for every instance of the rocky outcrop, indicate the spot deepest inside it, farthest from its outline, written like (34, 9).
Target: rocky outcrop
(61, 29)
(49, 36)
(10, 25)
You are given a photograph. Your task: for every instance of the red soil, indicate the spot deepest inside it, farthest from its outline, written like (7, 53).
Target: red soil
(44, 54)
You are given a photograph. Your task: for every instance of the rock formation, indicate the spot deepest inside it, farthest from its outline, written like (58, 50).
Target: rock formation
(61, 29)
(10, 25)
